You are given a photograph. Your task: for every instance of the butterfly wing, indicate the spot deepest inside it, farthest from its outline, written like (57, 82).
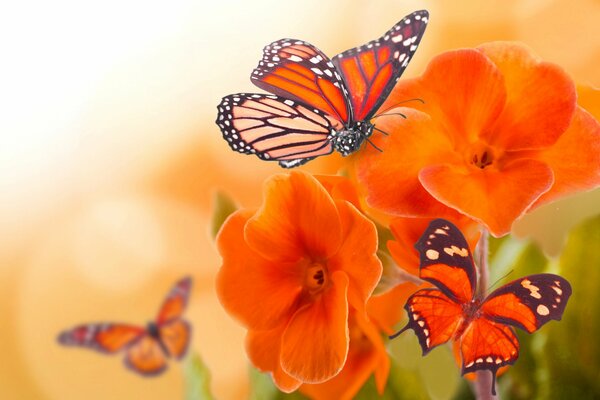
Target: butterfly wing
(371, 70)
(297, 70)
(433, 317)
(174, 333)
(175, 302)
(274, 128)
(446, 261)
(488, 345)
(103, 337)
(175, 336)
(529, 302)
(146, 357)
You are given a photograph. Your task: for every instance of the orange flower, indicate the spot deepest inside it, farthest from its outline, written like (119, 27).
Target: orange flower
(292, 272)
(367, 355)
(499, 133)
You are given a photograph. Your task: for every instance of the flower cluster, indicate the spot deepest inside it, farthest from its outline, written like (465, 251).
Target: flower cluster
(498, 133)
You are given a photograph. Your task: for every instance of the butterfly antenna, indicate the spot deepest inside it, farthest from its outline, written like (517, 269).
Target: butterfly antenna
(373, 144)
(397, 104)
(384, 132)
(489, 289)
(385, 115)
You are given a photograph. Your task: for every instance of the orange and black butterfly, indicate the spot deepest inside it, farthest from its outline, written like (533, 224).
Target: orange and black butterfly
(147, 349)
(318, 105)
(481, 327)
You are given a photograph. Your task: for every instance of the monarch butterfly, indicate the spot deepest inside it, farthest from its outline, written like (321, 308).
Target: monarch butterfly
(482, 328)
(318, 105)
(147, 348)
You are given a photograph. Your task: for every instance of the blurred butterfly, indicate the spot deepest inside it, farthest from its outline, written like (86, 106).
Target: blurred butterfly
(318, 105)
(482, 328)
(147, 349)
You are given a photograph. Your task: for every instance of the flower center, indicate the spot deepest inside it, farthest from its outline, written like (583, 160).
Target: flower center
(481, 155)
(316, 277)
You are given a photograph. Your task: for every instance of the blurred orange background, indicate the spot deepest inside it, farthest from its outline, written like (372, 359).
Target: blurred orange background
(110, 159)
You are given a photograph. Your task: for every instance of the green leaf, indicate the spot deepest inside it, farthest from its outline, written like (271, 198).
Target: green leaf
(223, 207)
(403, 383)
(437, 374)
(197, 379)
(572, 351)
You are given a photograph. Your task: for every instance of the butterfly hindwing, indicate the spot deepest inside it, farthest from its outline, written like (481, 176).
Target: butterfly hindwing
(297, 70)
(146, 356)
(529, 302)
(274, 128)
(175, 336)
(487, 345)
(371, 71)
(433, 317)
(103, 337)
(446, 260)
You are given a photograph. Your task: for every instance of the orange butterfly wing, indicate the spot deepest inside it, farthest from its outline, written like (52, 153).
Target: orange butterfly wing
(446, 260)
(433, 317)
(104, 337)
(529, 302)
(296, 70)
(146, 356)
(173, 332)
(175, 302)
(175, 336)
(370, 71)
(488, 345)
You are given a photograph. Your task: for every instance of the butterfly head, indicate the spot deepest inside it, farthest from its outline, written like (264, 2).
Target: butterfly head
(349, 139)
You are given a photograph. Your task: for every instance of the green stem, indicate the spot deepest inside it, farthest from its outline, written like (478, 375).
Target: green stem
(483, 380)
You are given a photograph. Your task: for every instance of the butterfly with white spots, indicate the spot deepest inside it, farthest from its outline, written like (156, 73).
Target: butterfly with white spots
(482, 328)
(317, 105)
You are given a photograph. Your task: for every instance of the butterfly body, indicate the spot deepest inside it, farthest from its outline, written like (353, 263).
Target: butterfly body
(481, 327)
(318, 105)
(349, 139)
(147, 348)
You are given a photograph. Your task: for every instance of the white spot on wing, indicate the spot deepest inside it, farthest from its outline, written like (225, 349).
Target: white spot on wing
(542, 310)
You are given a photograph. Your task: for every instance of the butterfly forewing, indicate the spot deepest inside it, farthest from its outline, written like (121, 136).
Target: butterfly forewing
(274, 128)
(370, 71)
(175, 302)
(529, 302)
(446, 260)
(297, 70)
(104, 337)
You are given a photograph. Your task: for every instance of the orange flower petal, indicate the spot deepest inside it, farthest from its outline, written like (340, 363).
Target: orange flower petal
(367, 355)
(462, 90)
(386, 310)
(315, 342)
(263, 350)
(574, 159)
(391, 176)
(494, 197)
(357, 255)
(541, 98)
(298, 218)
(258, 292)
(340, 188)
